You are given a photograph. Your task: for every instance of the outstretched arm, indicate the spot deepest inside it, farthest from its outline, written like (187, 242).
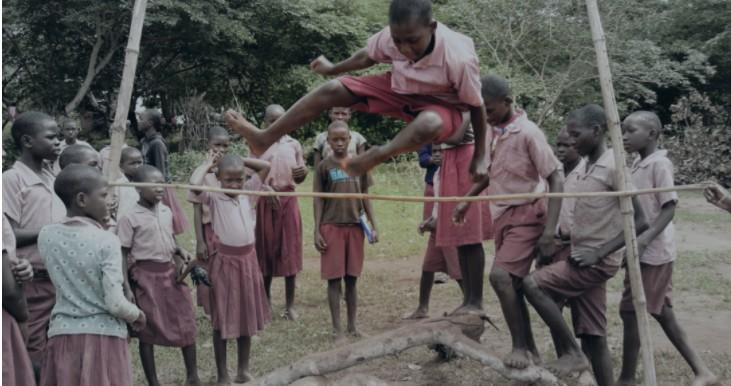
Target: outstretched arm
(358, 61)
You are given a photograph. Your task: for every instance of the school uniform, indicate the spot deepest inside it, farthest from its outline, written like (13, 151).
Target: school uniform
(446, 81)
(17, 369)
(656, 263)
(321, 146)
(521, 161)
(596, 220)
(126, 198)
(29, 201)
(87, 337)
(438, 259)
(202, 292)
(168, 305)
(340, 224)
(239, 306)
(279, 230)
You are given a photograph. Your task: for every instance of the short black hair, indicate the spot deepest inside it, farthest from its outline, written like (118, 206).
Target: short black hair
(28, 123)
(74, 154)
(64, 121)
(495, 87)
(143, 173)
(217, 131)
(338, 125)
(230, 161)
(76, 179)
(649, 118)
(155, 118)
(127, 152)
(406, 11)
(589, 116)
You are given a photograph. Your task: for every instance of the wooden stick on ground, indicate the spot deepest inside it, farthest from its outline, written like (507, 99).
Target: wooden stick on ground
(633, 261)
(119, 126)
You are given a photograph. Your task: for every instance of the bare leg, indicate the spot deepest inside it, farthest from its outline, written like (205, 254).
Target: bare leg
(147, 357)
(334, 293)
(191, 366)
(472, 266)
(630, 349)
(464, 270)
(309, 107)
(289, 288)
(527, 329)
(595, 348)
(268, 288)
(219, 352)
(425, 286)
(244, 350)
(502, 283)
(351, 301)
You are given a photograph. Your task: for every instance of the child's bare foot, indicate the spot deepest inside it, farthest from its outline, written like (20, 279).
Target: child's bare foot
(339, 338)
(517, 359)
(355, 333)
(362, 163)
(467, 309)
(251, 133)
(625, 382)
(420, 313)
(441, 278)
(223, 381)
(193, 382)
(291, 314)
(568, 364)
(243, 377)
(707, 379)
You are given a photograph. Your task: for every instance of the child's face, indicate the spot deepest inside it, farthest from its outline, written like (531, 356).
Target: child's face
(152, 195)
(339, 138)
(45, 144)
(70, 131)
(497, 110)
(219, 144)
(94, 204)
(565, 150)
(636, 135)
(130, 163)
(92, 158)
(232, 177)
(585, 138)
(413, 38)
(339, 114)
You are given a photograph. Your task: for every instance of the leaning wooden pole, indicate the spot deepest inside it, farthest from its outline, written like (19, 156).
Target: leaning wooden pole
(633, 261)
(125, 88)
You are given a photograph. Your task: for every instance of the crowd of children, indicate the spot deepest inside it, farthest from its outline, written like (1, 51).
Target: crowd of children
(85, 265)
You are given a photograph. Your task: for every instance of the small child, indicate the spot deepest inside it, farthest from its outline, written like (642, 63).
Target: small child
(70, 131)
(30, 203)
(218, 143)
(239, 306)
(79, 154)
(155, 262)
(596, 237)
(652, 169)
(434, 78)
(338, 233)
(87, 338)
(278, 220)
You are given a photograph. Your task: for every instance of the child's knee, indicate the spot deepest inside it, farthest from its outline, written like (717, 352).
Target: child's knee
(530, 286)
(500, 279)
(331, 87)
(430, 124)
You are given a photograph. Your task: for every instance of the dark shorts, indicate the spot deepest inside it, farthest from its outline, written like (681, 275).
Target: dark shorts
(657, 281)
(345, 251)
(516, 233)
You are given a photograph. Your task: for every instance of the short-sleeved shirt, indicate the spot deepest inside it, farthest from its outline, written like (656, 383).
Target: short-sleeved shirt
(155, 153)
(565, 218)
(233, 218)
(208, 180)
(148, 233)
(333, 179)
(283, 155)
(126, 197)
(8, 238)
(451, 72)
(85, 265)
(321, 146)
(597, 219)
(521, 161)
(106, 156)
(29, 201)
(656, 171)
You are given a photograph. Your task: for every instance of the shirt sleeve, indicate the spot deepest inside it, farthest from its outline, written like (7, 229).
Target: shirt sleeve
(467, 82)
(319, 142)
(377, 46)
(662, 177)
(425, 156)
(359, 139)
(12, 201)
(542, 155)
(112, 279)
(193, 197)
(125, 231)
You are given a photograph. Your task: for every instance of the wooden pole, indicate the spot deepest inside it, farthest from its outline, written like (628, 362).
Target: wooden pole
(132, 52)
(633, 261)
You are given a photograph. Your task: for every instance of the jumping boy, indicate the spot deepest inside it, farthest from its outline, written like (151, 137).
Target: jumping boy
(522, 162)
(657, 249)
(338, 234)
(278, 220)
(596, 236)
(29, 202)
(435, 76)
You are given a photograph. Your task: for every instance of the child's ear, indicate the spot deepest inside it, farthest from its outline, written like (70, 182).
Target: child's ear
(433, 25)
(80, 199)
(508, 100)
(26, 141)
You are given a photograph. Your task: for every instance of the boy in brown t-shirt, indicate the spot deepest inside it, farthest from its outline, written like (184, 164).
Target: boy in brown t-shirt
(338, 234)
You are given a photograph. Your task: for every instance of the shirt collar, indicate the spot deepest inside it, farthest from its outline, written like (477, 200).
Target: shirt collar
(513, 125)
(436, 56)
(605, 161)
(643, 163)
(30, 177)
(81, 221)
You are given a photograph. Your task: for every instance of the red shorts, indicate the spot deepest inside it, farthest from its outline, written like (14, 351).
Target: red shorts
(516, 233)
(381, 99)
(345, 251)
(657, 280)
(441, 259)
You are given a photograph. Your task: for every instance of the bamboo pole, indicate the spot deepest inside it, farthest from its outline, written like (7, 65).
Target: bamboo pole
(119, 126)
(633, 261)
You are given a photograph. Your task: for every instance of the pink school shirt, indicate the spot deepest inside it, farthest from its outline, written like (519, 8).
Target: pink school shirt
(8, 239)
(283, 155)
(127, 198)
(570, 183)
(451, 72)
(233, 218)
(208, 180)
(148, 233)
(29, 201)
(656, 171)
(521, 160)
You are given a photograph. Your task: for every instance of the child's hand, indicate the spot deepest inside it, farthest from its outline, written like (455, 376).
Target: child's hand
(140, 323)
(299, 173)
(436, 159)
(374, 235)
(273, 200)
(212, 158)
(322, 65)
(128, 293)
(22, 270)
(586, 258)
(428, 225)
(459, 212)
(320, 243)
(478, 169)
(545, 248)
(235, 120)
(718, 196)
(201, 251)
(185, 255)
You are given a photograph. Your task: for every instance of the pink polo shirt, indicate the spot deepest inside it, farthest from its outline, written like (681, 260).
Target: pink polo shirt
(29, 201)
(451, 72)
(208, 180)
(233, 218)
(656, 171)
(570, 182)
(521, 160)
(283, 155)
(148, 233)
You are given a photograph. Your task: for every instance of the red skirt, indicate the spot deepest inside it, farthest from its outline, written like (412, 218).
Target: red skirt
(17, 369)
(203, 292)
(239, 303)
(381, 99)
(428, 205)
(41, 297)
(166, 303)
(279, 237)
(441, 259)
(87, 360)
(180, 222)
